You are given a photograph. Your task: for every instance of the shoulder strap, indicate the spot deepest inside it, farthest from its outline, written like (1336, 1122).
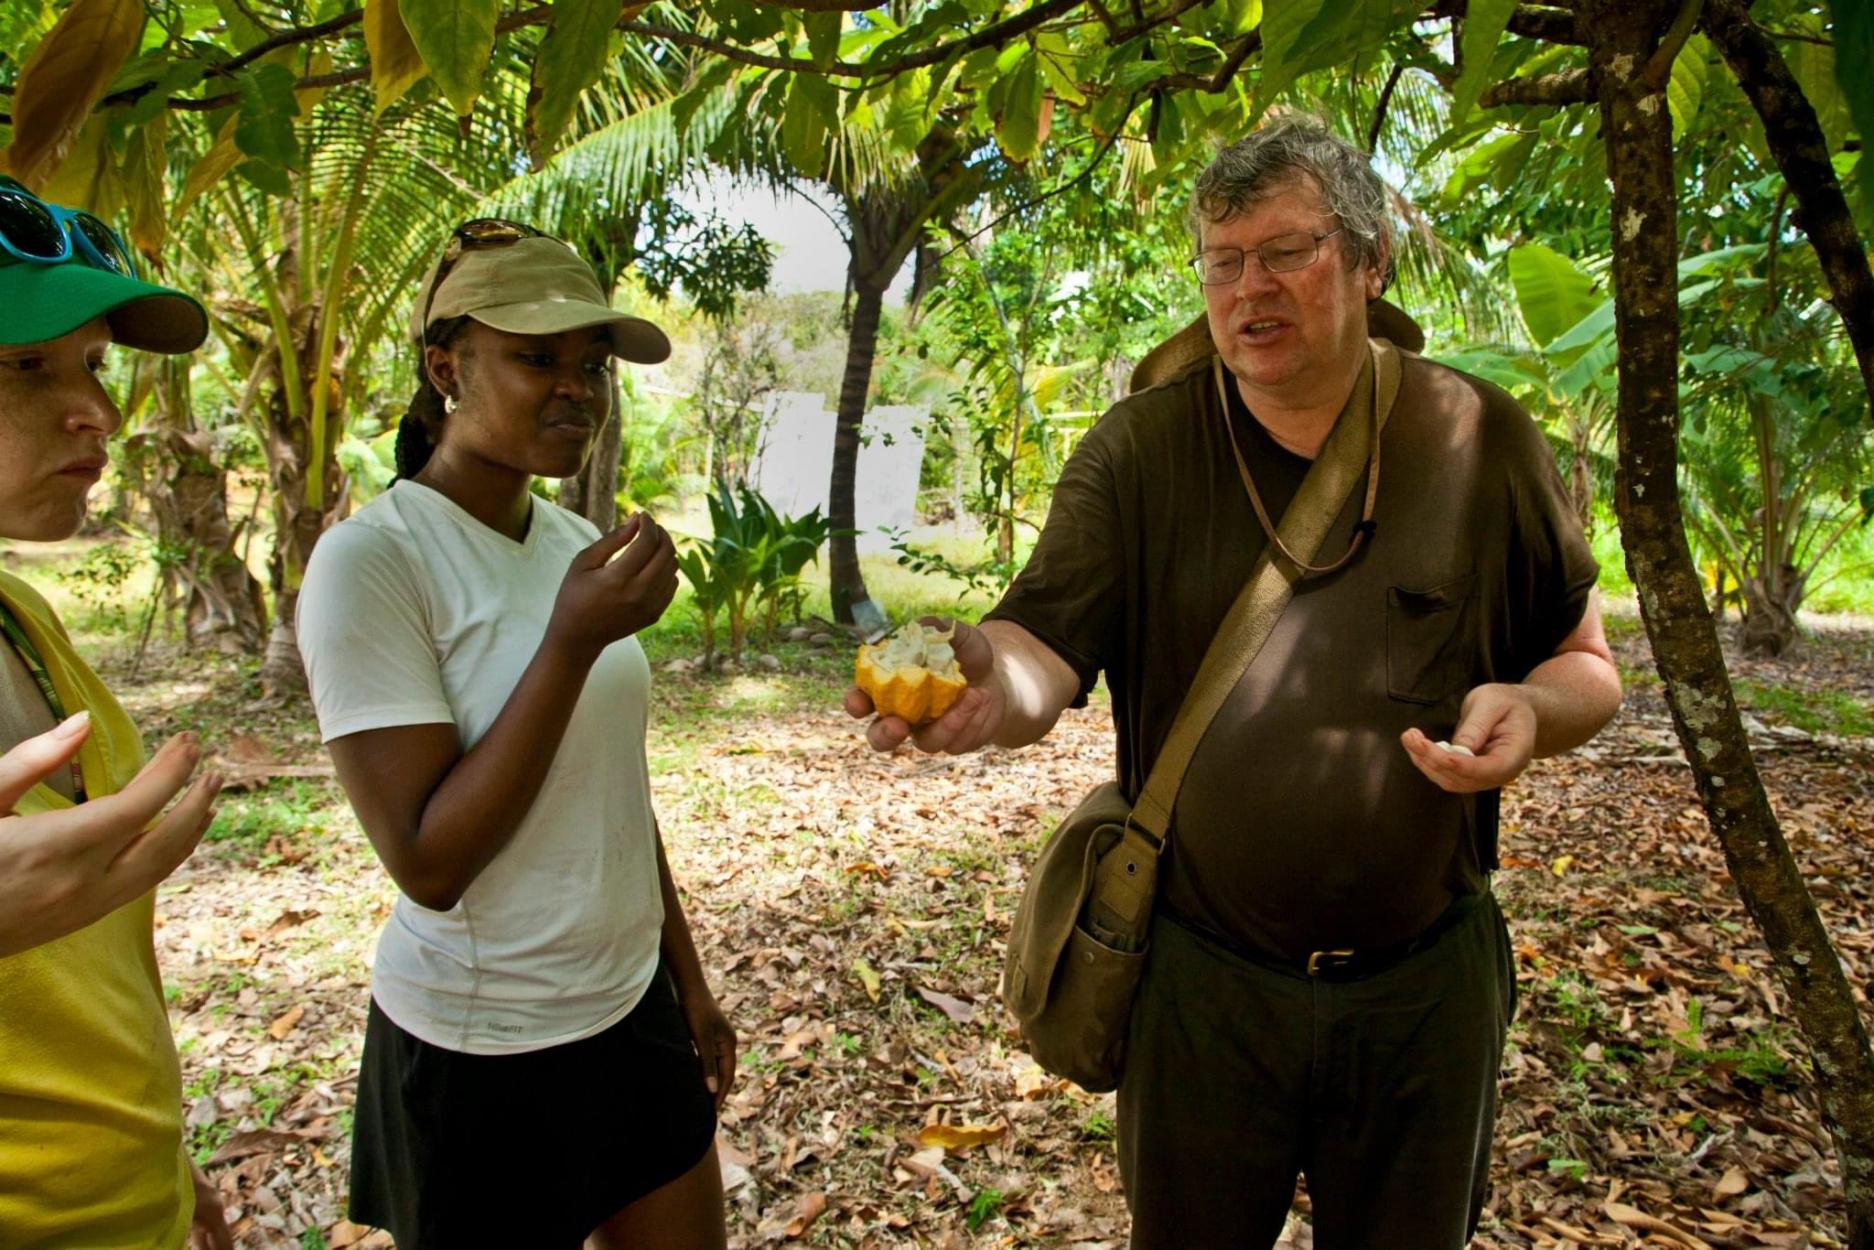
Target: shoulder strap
(1265, 596)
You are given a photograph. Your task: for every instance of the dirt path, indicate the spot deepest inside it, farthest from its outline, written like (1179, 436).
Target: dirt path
(852, 911)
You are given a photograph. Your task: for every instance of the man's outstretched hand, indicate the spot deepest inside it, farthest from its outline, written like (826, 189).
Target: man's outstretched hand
(1498, 725)
(62, 870)
(970, 724)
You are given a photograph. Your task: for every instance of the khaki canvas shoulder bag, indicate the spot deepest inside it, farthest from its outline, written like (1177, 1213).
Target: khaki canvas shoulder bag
(1078, 942)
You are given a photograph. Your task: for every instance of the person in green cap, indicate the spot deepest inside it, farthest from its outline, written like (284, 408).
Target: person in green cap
(543, 1057)
(91, 1150)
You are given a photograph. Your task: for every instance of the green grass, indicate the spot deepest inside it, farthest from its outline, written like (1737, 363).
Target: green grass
(1813, 711)
(287, 810)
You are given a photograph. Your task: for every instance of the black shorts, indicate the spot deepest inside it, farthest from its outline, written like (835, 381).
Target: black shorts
(451, 1150)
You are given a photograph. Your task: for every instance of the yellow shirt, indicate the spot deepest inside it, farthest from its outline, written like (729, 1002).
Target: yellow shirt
(91, 1149)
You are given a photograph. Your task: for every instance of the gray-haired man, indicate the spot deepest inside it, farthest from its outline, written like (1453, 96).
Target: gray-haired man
(1329, 980)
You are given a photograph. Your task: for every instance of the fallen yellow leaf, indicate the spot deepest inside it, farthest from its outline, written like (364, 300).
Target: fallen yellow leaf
(286, 1023)
(868, 977)
(960, 1136)
(1562, 864)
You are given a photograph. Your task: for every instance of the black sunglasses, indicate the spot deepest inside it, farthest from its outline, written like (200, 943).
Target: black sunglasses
(40, 233)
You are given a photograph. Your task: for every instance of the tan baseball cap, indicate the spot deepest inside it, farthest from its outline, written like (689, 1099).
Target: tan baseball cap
(533, 286)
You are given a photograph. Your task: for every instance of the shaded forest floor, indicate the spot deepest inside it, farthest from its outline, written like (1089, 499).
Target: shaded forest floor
(851, 910)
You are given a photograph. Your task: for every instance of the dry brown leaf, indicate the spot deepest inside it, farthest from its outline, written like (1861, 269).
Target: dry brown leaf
(63, 80)
(960, 1137)
(286, 1023)
(959, 1011)
(1633, 1217)
(812, 1207)
(1733, 1183)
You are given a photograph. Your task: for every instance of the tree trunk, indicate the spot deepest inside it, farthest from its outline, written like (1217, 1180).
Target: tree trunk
(1580, 478)
(1636, 127)
(223, 609)
(187, 490)
(297, 522)
(593, 492)
(1801, 152)
(848, 583)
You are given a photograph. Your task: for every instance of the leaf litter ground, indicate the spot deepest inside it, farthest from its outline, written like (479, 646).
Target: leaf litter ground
(851, 910)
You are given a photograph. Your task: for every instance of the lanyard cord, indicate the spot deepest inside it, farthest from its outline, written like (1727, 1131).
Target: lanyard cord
(36, 665)
(1361, 532)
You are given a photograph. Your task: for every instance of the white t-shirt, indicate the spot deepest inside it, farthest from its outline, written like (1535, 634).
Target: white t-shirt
(413, 613)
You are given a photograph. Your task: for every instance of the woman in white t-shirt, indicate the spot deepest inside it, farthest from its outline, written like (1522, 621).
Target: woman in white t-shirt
(543, 1059)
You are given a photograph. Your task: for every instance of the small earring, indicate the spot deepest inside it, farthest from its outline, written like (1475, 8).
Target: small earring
(449, 403)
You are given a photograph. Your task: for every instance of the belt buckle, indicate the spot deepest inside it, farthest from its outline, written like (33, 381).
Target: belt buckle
(1314, 960)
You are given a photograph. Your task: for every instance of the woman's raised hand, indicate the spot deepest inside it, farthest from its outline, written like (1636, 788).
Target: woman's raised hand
(61, 870)
(614, 588)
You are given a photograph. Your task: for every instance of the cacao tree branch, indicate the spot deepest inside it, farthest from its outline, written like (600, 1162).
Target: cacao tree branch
(1801, 153)
(1569, 86)
(1636, 128)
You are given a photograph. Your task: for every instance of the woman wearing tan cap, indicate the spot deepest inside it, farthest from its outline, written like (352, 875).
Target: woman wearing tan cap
(543, 1058)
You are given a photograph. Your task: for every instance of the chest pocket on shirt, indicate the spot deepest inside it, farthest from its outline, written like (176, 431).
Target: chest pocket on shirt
(1425, 633)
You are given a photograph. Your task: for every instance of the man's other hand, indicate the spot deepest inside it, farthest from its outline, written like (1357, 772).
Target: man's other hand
(970, 724)
(1498, 724)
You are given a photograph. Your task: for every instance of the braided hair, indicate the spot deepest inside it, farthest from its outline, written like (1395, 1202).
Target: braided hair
(421, 427)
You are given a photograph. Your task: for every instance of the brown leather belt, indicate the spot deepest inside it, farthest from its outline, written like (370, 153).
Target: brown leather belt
(1340, 965)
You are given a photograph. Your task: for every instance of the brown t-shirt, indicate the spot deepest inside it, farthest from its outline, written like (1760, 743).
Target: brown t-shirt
(1302, 824)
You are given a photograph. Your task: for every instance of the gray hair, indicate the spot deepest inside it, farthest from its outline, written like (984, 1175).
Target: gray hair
(1296, 145)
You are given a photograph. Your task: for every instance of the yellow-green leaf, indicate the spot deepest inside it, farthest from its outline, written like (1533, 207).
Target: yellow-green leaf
(395, 62)
(868, 977)
(215, 164)
(88, 176)
(144, 166)
(1018, 122)
(456, 39)
(64, 79)
(571, 57)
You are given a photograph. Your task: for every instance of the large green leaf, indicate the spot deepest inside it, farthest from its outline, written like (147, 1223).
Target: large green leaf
(1018, 119)
(456, 38)
(1303, 35)
(823, 36)
(1813, 64)
(1685, 90)
(571, 57)
(1552, 291)
(268, 106)
(812, 105)
(1854, 70)
(1484, 24)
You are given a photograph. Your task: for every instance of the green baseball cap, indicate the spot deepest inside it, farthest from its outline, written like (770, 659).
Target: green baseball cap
(534, 286)
(41, 302)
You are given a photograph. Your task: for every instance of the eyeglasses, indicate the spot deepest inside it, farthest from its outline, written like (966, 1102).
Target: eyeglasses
(1285, 253)
(480, 232)
(39, 233)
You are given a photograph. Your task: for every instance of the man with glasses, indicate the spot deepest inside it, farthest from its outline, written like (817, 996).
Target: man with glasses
(1329, 979)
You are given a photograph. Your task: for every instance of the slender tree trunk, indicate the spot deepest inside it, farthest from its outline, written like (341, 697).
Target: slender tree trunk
(223, 607)
(297, 521)
(1636, 126)
(593, 491)
(848, 583)
(1801, 152)
(1580, 480)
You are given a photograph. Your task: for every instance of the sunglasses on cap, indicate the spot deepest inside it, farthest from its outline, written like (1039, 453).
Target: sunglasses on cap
(480, 232)
(40, 233)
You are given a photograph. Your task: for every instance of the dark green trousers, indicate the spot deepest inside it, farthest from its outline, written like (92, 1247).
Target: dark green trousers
(1382, 1091)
